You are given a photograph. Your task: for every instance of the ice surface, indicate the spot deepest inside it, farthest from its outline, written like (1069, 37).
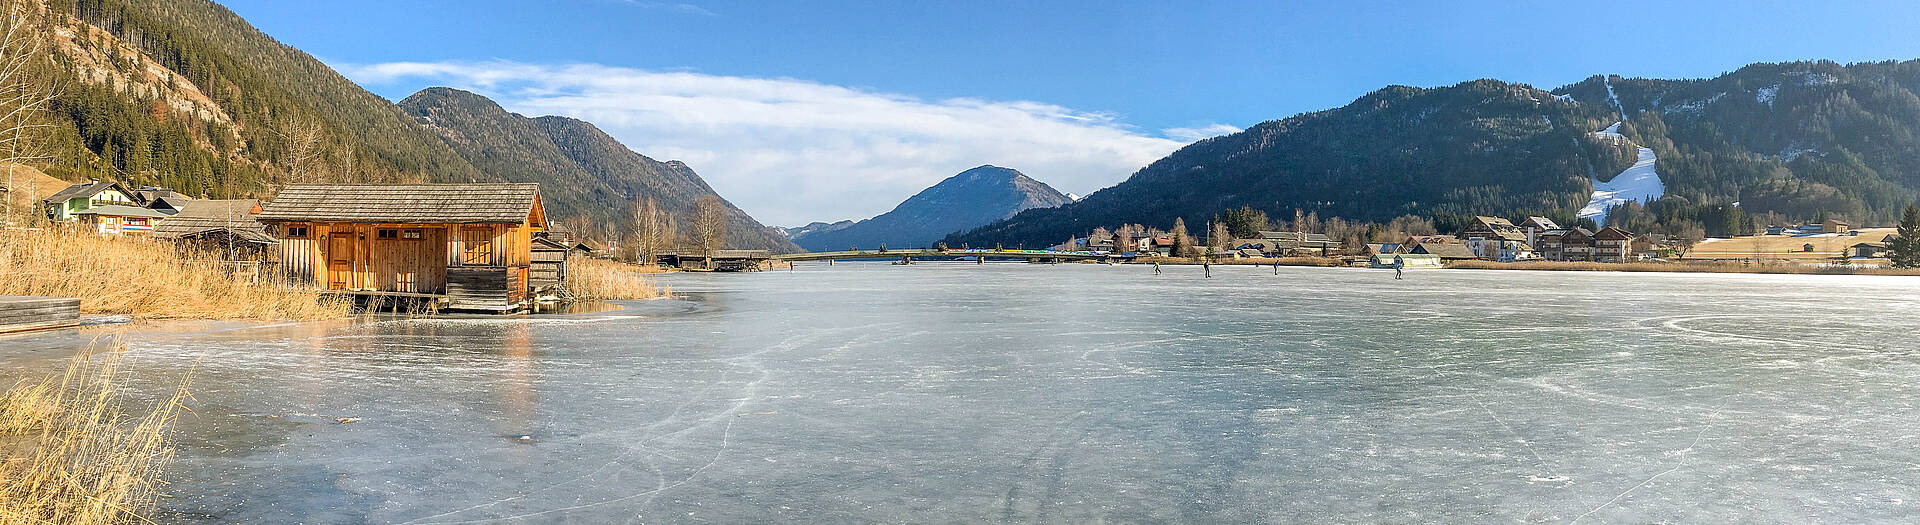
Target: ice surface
(1075, 393)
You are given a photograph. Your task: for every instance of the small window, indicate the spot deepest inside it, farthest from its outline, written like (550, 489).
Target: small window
(410, 234)
(296, 232)
(388, 234)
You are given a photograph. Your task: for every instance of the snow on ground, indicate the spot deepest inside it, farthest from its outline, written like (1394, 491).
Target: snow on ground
(1615, 99)
(1638, 182)
(1766, 95)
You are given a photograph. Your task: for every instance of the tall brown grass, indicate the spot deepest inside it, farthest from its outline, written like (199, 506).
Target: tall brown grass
(71, 453)
(1683, 267)
(145, 278)
(591, 279)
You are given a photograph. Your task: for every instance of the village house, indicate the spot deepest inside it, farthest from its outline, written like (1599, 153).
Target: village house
(66, 204)
(1612, 245)
(1535, 226)
(1834, 226)
(1299, 243)
(1575, 244)
(1495, 238)
(467, 245)
(160, 199)
(1444, 250)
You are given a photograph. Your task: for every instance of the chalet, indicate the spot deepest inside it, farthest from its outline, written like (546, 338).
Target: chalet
(226, 226)
(1446, 251)
(1496, 238)
(467, 245)
(64, 205)
(1612, 244)
(1299, 243)
(1536, 225)
(115, 219)
(1573, 245)
(1869, 250)
(1834, 226)
(159, 199)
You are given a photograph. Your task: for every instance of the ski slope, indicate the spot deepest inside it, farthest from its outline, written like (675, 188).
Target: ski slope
(1638, 182)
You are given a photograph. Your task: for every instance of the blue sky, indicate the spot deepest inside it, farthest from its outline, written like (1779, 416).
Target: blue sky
(803, 111)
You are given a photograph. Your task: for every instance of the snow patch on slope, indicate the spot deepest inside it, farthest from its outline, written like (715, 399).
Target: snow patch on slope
(1615, 98)
(1766, 95)
(1637, 183)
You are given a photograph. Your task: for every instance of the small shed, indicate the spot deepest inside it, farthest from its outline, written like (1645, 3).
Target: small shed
(224, 225)
(1448, 251)
(548, 271)
(717, 260)
(469, 244)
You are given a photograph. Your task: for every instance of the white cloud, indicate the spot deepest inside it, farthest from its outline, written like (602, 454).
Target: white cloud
(1195, 134)
(673, 6)
(792, 151)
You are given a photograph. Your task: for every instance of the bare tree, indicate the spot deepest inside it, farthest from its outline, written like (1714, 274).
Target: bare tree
(650, 230)
(1219, 237)
(23, 96)
(303, 141)
(1123, 239)
(710, 223)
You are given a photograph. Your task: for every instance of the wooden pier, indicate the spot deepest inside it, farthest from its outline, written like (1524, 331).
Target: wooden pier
(22, 313)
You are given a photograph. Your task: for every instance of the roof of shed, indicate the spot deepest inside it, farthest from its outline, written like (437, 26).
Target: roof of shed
(206, 216)
(405, 203)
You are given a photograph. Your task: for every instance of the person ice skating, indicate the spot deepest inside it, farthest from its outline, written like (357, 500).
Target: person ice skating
(1276, 267)
(1156, 267)
(1397, 266)
(1207, 266)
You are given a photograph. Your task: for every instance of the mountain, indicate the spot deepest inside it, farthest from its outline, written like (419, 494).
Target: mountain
(812, 228)
(1791, 141)
(582, 170)
(186, 94)
(969, 199)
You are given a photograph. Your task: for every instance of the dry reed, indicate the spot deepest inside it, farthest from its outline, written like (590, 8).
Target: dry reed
(70, 453)
(146, 278)
(1246, 261)
(591, 279)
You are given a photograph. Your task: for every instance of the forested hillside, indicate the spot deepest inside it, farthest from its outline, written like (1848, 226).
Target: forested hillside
(1463, 149)
(581, 168)
(1767, 144)
(187, 95)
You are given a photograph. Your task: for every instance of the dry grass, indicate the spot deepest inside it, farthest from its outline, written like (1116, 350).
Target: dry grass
(1785, 247)
(70, 453)
(591, 279)
(29, 186)
(149, 279)
(1682, 267)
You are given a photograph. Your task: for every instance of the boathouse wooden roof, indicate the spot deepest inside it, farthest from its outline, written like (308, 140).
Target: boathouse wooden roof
(478, 203)
(200, 217)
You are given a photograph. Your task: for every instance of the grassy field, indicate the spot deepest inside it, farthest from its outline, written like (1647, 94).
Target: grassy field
(1683, 267)
(71, 453)
(147, 279)
(29, 186)
(1783, 247)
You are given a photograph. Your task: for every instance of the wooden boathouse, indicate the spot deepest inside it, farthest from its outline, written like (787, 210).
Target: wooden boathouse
(469, 246)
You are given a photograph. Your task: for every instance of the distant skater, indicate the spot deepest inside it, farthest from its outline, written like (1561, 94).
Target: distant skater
(1276, 267)
(1156, 267)
(1207, 266)
(1397, 266)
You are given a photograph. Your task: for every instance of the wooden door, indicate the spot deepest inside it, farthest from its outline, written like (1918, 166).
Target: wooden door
(339, 260)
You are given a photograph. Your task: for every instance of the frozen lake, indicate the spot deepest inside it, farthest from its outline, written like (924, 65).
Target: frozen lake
(1072, 393)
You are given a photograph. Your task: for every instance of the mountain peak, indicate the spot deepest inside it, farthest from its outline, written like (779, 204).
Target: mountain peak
(968, 199)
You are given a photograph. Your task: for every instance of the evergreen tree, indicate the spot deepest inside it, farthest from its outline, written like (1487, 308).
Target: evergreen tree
(1905, 247)
(1181, 243)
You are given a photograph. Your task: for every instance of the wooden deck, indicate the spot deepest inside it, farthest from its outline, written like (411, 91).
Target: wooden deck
(20, 313)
